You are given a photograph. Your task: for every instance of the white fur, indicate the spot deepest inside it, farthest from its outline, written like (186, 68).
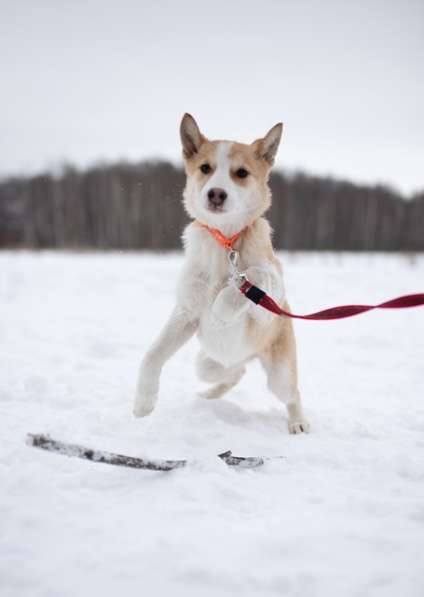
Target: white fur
(214, 309)
(209, 305)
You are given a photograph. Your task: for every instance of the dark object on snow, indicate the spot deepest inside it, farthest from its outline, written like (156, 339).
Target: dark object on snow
(46, 443)
(242, 461)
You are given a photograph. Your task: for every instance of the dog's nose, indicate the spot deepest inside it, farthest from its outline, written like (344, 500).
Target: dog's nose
(217, 196)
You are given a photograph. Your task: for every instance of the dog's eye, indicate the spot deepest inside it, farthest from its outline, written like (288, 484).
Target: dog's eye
(242, 173)
(205, 168)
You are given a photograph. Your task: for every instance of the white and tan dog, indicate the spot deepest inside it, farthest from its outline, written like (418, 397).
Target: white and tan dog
(227, 190)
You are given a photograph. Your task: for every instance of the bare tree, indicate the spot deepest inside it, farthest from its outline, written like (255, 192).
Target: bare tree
(138, 206)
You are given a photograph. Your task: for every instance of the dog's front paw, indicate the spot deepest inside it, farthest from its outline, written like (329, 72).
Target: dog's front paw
(144, 405)
(270, 282)
(229, 304)
(147, 389)
(298, 426)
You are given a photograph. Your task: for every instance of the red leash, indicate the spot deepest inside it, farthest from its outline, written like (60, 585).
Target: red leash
(259, 297)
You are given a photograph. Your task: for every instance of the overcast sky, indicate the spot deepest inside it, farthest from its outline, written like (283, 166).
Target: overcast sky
(89, 80)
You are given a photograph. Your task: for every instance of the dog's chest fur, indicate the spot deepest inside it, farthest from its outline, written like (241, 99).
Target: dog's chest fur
(205, 275)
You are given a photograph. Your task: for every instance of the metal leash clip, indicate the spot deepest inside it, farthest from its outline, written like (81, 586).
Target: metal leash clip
(236, 275)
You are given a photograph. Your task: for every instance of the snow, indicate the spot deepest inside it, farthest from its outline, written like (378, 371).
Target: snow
(342, 514)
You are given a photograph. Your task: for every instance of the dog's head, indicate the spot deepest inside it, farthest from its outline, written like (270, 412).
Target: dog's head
(227, 182)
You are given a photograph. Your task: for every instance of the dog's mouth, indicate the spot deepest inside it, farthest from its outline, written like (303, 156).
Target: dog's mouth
(215, 208)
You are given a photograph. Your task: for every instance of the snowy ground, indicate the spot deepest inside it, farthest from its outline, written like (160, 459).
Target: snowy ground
(343, 515)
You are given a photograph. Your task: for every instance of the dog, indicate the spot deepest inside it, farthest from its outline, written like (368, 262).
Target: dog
(226, 195)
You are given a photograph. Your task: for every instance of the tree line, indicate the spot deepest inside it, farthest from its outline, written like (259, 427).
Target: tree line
(138, 206)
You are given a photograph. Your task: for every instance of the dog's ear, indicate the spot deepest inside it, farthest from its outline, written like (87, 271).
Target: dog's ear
(266, 148)
(191, 137)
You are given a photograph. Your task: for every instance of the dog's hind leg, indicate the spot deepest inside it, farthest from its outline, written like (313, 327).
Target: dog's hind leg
(279, 362)
(223, 378)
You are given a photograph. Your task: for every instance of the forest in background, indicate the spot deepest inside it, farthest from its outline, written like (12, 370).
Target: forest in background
(138, 206)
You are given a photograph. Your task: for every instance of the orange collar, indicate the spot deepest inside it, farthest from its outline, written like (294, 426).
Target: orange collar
(224, 241)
